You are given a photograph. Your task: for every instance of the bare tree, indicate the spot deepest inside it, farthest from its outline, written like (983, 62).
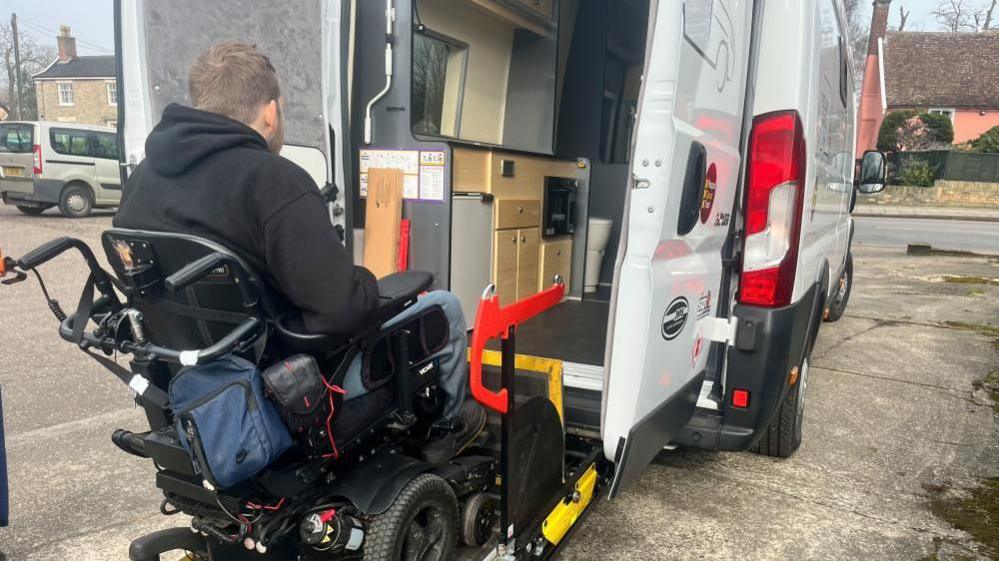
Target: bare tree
(903, 16)
(859, 32)
(986, 19)
(34, 58)
(962, 15)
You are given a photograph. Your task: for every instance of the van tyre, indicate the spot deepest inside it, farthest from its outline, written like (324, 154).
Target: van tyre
(783, 437)
(76, 201)
(843, 287)
(421, 525)
(32, 210)
(477, 518)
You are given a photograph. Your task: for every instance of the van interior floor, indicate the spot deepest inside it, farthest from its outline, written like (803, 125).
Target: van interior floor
(573, 331)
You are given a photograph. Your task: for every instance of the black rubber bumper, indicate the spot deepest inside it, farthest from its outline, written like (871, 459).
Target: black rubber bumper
(769, 343)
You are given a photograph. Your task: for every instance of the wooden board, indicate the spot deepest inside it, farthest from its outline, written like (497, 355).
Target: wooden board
(383, 215)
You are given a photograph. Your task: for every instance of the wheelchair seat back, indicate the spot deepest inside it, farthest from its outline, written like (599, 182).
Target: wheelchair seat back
(194, 316)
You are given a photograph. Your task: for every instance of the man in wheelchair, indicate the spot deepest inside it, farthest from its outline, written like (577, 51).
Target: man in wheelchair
(213, 171)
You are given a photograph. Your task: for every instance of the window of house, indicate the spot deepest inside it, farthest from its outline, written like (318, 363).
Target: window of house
(65, 93)
(105, 145)
(949, 111)
(16, 138)
(112, 91)
(70, 142)
(438, 83)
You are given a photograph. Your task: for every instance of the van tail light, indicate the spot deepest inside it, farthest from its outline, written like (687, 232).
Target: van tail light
(774, 196)
(38, 159)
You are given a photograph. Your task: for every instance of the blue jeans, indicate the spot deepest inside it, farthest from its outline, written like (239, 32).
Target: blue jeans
(452, 359)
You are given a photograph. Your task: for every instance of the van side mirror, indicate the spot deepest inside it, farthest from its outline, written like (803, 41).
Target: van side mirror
(873, 169)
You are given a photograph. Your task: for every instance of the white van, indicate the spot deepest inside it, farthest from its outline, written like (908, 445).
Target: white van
(46, 164)
(691, 163)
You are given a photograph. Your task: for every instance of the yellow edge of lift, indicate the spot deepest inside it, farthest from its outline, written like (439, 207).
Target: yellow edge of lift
(568, 511)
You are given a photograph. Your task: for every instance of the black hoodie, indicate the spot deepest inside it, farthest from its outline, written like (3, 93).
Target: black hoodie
(211, 176)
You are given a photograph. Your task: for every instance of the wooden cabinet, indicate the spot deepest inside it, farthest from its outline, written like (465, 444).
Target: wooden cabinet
(527, 261)
(515, 268)
(556, 259)
(516, 213)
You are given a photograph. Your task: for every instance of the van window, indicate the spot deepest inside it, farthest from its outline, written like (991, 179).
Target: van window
(17, 138)
(105, 145)
(438, 82)
(70, 142)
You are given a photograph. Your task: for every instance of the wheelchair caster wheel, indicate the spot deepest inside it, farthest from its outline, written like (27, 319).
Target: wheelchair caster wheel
(477, 519)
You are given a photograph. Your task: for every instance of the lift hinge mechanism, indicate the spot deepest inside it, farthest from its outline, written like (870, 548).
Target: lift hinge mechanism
(720, 330)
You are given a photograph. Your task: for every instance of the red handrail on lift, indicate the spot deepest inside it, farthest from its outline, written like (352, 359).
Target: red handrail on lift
(494, 322)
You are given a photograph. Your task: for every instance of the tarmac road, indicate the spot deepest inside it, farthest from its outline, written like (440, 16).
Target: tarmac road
(961, 235)
(891, 412)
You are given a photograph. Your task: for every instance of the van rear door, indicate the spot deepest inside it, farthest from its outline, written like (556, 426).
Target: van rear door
(685, 174)
(160, 40)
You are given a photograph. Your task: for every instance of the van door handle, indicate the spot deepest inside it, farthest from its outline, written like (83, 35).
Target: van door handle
(693, 189)
(639, 182)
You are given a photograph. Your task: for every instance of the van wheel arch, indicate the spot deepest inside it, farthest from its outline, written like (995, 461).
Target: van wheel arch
(66, 205)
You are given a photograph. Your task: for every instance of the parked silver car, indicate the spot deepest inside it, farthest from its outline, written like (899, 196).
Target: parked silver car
(46, 164)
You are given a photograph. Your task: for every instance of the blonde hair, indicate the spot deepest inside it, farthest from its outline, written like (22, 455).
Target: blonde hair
(233, 79)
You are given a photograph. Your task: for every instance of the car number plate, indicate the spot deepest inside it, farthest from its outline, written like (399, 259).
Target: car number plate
(10, 171)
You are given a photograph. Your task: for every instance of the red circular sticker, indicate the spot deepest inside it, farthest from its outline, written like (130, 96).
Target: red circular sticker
(708, 198)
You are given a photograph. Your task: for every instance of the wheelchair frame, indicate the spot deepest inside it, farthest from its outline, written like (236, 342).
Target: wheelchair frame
(541, 495)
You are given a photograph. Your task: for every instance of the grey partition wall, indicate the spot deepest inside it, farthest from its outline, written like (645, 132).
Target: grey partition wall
(289, 33)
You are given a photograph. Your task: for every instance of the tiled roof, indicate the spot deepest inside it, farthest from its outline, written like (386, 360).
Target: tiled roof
(942, 69)
(81, 67)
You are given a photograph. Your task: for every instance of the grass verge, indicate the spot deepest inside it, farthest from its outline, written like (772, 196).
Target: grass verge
(977, 515)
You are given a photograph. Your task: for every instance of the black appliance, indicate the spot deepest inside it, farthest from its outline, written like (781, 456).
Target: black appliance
(560, 206)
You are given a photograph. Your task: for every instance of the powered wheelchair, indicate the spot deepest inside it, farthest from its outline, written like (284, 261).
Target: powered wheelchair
(352, 474)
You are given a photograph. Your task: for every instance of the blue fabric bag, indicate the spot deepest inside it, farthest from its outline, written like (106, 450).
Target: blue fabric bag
(224, 421)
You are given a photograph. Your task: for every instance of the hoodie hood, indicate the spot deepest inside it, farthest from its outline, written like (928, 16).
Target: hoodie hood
(185, 136)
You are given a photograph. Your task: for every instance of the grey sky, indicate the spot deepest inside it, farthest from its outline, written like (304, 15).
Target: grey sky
(92, 21)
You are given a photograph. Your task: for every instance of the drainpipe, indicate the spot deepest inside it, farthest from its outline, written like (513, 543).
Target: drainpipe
(389, 38)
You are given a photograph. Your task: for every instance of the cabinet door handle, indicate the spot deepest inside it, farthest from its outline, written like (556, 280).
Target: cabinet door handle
(520, 209)
(514, 239)
(558, 252)
(523, 239)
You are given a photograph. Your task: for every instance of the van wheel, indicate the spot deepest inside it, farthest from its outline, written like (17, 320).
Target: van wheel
(32, 210)
(842, 296)
(421, 525)
(76, 201)
(783, 437)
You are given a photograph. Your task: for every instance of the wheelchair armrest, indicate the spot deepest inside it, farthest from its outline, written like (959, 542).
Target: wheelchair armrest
(399, 289)
(291, 330)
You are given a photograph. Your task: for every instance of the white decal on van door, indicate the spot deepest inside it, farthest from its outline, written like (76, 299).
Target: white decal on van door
(710, 32)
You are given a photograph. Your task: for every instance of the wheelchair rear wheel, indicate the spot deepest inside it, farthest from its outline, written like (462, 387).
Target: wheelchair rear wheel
(421, 525)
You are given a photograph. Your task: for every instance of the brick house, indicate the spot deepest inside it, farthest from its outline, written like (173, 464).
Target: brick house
(956, 74)
(77, 89)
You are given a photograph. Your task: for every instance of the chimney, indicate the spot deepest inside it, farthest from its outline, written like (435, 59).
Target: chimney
(879, 25)
(67, 44)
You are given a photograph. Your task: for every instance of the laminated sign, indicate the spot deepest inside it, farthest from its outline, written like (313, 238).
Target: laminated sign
(423, 171)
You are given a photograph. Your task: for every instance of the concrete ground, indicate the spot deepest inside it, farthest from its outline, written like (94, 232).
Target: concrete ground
(892, 412)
